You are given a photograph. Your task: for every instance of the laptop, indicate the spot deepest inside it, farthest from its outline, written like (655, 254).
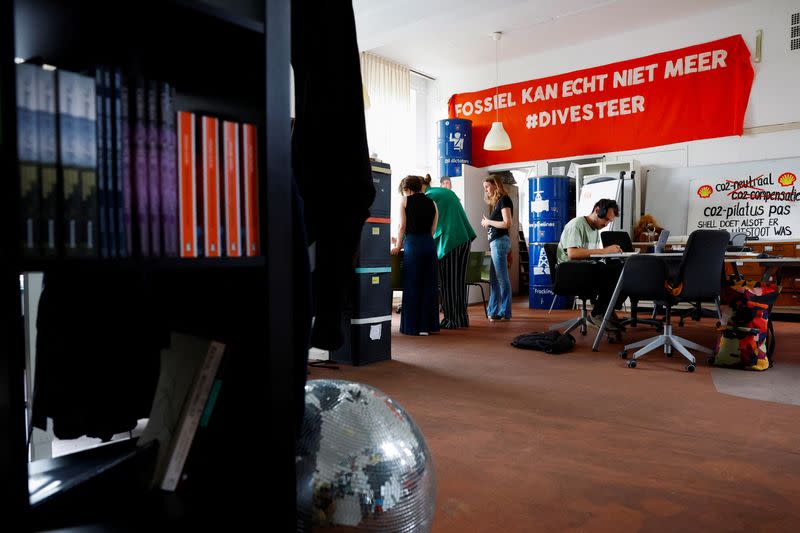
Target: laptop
(620, 238)
(662, 242)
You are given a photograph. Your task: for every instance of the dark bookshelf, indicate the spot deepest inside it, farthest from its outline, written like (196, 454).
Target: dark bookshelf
(48, 478)
(158, 264)
(230, 62)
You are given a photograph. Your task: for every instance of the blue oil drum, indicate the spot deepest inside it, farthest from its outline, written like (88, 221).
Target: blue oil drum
(550, 199)
(541, 283)
(541, 297)
(539, 266)
(546, 230)
(455, 145)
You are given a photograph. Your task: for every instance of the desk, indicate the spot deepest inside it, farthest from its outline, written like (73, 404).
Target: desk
(730, 257)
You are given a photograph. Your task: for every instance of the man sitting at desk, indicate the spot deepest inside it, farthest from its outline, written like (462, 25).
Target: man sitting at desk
(581, 239)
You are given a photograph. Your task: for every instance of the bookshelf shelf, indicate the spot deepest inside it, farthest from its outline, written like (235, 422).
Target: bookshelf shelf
(223, 61)
(140, 265)
(50, 478)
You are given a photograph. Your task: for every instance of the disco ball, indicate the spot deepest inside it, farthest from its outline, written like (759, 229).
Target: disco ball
(361, 462)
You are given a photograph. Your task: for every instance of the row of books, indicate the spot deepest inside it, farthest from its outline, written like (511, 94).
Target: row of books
(104, 170)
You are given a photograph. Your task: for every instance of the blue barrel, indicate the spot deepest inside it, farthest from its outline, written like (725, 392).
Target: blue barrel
(455, 145)
(550, 199)
(541, 297)
(546, 230)
(539, 266)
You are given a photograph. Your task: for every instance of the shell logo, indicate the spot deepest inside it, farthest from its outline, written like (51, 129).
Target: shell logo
(786, 179)
(704, 191)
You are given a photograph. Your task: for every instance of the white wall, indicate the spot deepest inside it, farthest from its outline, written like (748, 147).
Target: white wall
(774, 98)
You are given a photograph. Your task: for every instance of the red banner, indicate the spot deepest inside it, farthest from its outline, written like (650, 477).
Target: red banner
(696, 92)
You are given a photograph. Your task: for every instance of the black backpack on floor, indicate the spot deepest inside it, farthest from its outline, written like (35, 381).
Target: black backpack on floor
(547, 341)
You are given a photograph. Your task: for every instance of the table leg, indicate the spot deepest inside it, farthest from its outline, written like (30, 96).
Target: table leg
(610, 309)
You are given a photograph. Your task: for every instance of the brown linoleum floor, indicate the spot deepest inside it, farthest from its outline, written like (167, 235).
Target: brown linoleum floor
(523, 441)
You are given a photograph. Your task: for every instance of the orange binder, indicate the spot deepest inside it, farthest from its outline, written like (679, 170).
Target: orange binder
(233, 203)
(212, 238)
(250, 186)
(187, 195)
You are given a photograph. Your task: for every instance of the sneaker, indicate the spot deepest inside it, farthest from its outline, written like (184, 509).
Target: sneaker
(423, 334)
(495, 318)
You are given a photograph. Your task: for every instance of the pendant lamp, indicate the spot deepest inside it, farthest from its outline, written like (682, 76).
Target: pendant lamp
(497, 139)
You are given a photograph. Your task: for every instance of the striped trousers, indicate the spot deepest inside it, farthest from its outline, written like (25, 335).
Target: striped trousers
(452, 281)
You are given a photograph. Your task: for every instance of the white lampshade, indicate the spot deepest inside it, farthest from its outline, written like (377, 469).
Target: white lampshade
(497, 139)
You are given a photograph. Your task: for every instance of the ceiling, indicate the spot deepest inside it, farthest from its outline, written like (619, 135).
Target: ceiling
(435, 37)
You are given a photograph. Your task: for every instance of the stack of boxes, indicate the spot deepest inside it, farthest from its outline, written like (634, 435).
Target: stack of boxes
(552, 206)
(368, 317)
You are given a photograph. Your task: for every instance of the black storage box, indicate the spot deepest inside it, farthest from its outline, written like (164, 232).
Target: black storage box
(371, 294)
(382, 180)
(366, 340)
(374, 247)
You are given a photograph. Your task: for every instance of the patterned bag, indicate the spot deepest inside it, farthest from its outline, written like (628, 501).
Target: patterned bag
(744, 330)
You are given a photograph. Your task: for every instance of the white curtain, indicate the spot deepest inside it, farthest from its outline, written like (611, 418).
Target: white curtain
(388, 88)
(391, 120)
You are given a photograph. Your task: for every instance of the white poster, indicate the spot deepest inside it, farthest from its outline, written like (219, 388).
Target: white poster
(761, 204)
(593, 192)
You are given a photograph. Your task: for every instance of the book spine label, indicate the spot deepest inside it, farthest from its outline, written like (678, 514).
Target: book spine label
(187, 209)
(190, 418)
(140, 177)
(250, 166)
(28, 152)
(233, 205)
(48, 157)
(210, 184)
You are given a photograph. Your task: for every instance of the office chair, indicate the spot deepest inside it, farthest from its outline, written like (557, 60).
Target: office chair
(623, 240)
(696, 312)
(738, 239)
(571, 279)
(698, 278)
(476, 264)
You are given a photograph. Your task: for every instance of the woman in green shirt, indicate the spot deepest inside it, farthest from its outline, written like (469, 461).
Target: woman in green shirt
(453, 237)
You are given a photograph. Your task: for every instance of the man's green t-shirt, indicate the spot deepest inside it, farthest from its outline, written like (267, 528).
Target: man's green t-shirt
(577, 234)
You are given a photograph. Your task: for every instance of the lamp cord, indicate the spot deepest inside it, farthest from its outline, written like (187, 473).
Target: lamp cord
(496, 80)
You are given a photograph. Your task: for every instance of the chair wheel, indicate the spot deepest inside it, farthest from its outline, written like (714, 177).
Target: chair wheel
(632, 363)
(710, 361)
(623, 354)
(690, 367)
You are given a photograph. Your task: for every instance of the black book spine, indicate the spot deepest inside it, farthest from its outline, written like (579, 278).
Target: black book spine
(118, 165)
(102, 176)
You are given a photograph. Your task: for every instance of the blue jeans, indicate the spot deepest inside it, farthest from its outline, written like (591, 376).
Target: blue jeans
(500, 298)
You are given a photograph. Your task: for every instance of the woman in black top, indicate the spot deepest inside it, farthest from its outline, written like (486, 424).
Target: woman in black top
(499, 222)
(418, 219)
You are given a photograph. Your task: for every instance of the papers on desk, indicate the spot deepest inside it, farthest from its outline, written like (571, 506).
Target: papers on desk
(619, 254)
